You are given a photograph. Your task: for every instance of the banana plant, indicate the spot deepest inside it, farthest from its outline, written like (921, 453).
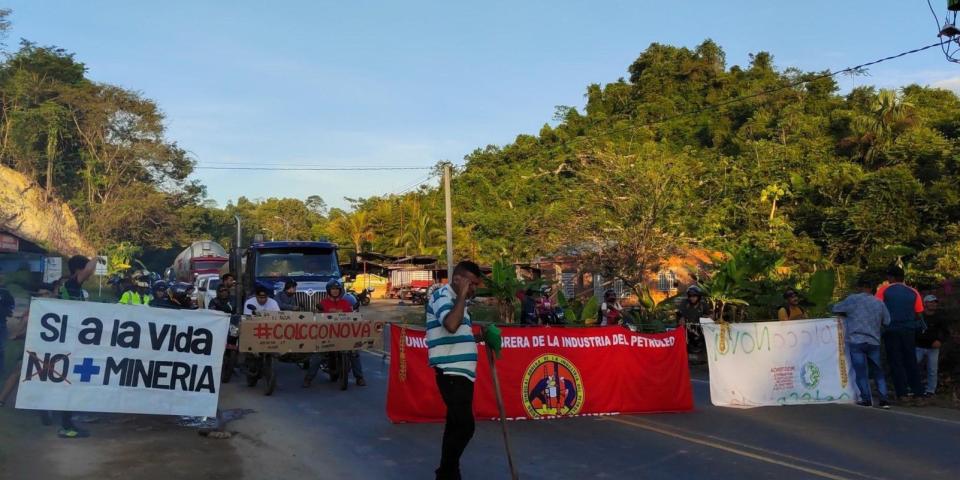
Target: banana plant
(577, 312)
(503, 285)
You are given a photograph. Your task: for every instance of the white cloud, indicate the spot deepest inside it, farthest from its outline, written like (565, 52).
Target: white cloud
(949, 84)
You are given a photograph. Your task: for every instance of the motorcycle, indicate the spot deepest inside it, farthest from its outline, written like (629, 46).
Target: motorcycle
(363, 296)
(549, 314)
(418, 296)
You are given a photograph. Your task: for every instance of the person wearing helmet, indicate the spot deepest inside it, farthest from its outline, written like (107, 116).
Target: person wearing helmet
(610, 309)
(178, 297)
(334, 302)
(689, 313)
(161, 299)
(181, 293)
(139, 294)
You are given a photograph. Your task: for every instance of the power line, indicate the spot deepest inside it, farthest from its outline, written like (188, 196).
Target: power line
(412, 186)
(320, 169)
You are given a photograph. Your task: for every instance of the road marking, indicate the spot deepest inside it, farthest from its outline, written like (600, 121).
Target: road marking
(737, 451)
(876, 410)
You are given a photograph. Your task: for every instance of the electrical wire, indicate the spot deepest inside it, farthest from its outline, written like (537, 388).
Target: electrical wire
(319, 169)
(412, 186)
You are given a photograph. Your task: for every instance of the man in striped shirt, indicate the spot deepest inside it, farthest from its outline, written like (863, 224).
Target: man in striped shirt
(453, 355)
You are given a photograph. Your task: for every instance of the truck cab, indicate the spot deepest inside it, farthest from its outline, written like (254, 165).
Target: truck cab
(310, 264)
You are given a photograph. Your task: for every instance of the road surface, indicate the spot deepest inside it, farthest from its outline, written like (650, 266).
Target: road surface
(324, 433)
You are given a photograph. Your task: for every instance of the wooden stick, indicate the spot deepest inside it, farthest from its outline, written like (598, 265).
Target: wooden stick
(503, 414)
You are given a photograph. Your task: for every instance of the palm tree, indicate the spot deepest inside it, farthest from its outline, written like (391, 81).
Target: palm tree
(889, 114)
(420, 234)
(355, 226)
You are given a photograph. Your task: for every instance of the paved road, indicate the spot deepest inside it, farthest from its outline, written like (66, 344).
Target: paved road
(324, 433)
(333, 434)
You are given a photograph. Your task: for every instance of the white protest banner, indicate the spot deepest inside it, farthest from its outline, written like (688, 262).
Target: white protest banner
(778, 363)
(98, 357)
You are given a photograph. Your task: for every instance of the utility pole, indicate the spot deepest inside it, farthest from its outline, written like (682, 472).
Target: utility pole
(238, 274)
(447, 167)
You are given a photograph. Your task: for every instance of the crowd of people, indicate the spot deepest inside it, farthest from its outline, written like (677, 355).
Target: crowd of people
(893, 320)
(140, 291)
(911, 331)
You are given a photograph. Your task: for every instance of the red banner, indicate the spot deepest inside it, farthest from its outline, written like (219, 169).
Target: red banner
(550, 372)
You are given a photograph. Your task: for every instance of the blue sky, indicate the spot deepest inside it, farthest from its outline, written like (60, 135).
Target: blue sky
(363, 83)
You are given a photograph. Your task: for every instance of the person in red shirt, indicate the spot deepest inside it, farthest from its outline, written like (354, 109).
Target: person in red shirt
(334, 302)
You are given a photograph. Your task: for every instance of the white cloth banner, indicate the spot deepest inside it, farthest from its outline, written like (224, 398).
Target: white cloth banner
(778, 363)
(98, 357)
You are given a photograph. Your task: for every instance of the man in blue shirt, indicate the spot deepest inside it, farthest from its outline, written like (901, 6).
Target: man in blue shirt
(452, 350)
(900, 339)
(864, 318)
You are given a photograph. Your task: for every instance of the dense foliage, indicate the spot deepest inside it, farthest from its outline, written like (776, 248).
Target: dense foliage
(649, 168)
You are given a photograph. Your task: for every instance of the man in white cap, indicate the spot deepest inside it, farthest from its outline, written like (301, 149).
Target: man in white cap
(929, 341)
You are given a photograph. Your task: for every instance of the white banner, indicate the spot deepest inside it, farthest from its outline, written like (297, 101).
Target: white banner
(98, 357)
(778, 363)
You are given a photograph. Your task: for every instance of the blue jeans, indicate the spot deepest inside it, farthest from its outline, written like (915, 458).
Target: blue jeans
(932, 357)
(866, 357)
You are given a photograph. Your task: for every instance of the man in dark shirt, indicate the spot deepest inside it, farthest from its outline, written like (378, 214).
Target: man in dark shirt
(904, 304)
(222, 301)
(929, 341)
(528, 308)
(81, 268)
(287, 299)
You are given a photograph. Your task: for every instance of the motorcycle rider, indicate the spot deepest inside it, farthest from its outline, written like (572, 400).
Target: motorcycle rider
(160, 295)
(334, 302)
(222, 302)
(689, 313)
(287, 299)
(139, 293)
(179, 297)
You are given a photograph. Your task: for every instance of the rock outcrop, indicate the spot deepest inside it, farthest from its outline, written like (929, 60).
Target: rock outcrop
(27, 213)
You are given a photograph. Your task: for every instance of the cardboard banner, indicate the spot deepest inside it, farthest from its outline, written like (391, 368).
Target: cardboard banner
(304, 332)
(98, 357)
(549, 372)
(778, 363)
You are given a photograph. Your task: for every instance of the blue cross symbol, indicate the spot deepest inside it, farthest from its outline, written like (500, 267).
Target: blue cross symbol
(86, 369)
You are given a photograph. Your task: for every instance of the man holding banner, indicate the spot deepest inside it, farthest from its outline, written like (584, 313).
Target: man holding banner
(452, 351)
(864, 317)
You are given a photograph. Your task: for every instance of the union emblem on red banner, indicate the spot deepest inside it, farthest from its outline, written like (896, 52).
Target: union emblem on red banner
(552, 387)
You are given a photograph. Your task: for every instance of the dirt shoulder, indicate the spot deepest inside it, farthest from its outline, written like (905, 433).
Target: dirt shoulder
(121, 446)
